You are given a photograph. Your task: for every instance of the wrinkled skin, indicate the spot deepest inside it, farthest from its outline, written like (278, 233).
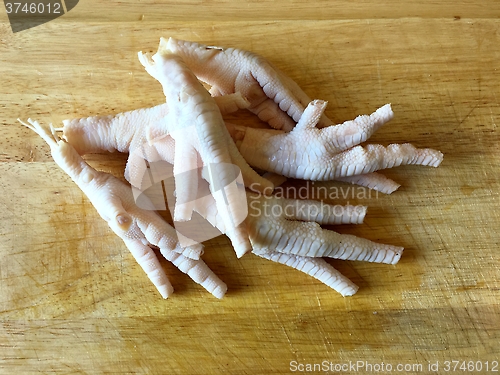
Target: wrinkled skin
(284, 231)
(288, 231)
(278, 100)
(195, 123)
(274, 97)
(330, 153)
(138, 228)
(301, 148)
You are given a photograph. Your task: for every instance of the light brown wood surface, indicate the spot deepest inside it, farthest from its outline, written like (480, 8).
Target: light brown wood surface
(73, 300)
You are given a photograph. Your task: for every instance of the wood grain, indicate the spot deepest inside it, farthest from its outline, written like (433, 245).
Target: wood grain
(72, 298)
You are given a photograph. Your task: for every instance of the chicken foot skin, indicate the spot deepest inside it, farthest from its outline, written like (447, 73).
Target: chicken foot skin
(292, 228)
(274, 97)
(314, 267)
(330, 153)
(126, 132)
(137, 227)
(288, 231)
(196, 124)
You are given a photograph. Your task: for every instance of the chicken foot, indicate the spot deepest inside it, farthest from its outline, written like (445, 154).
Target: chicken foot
(293, 227)
(274, 97)
(137, 227)
(330, 153)
(262, 209)
(127, 132)
(196, 125)
(292, 236)
(288, 231)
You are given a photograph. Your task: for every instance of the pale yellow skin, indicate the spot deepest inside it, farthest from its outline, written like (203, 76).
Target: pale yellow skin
(332, 152)
(288, 231)
(280, 238)
(138, 228)
(276, 99)
(190, 127)
(195, 122)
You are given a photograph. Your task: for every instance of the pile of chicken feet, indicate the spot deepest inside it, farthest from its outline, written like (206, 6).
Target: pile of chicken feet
(187, 141)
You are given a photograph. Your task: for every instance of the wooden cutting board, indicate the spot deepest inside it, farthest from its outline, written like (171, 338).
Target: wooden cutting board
(72, 298)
